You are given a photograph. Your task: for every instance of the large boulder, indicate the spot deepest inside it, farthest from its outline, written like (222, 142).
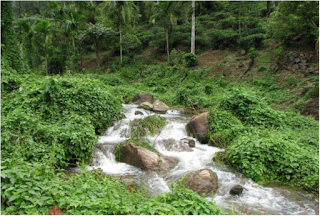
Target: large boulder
(198, 128)
(146, 159)
(160, 107)
(143, 97)
(146, 106)
(203, 182)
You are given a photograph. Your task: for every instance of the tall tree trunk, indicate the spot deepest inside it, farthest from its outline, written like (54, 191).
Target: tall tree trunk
(193, 29)
(200, 3)
(268, 9)
(120, 43)
(167, 38)
(186, 12)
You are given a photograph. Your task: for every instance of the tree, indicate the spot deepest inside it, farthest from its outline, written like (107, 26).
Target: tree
(45, 28)
(292, 20)
(268, 9)
(9, 49)
(29, 38)
(193, 31)
(123, 10)
(96, 35)
(165, 12)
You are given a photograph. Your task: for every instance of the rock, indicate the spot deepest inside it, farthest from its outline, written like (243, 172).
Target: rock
(236, 190)
(146, 159)
(171, 145)
(143, 97)
(243, 52)
(198, 127)
(203, 182)
(297, 60)
(138, 113)
(190, 142)
(146, 106)
(160, 107)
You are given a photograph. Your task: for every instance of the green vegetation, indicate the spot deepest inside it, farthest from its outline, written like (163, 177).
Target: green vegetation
(63, 82)
(33, 188)
(140, 128)
(265, 144)
(149, 125)
(54, 117)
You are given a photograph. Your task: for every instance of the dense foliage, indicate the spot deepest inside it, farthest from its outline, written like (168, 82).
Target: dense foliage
(150, 125)
(265, 144)
(54, 117)
(33, 188)
(51, 122)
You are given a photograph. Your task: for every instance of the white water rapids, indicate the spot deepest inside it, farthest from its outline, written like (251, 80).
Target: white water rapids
(256, 199)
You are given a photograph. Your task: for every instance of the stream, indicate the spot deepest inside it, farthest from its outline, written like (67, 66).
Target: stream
(256, 199)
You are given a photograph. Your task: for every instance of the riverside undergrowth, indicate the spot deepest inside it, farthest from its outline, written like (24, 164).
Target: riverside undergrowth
(54, 117)
(266, 144)
(34, 188)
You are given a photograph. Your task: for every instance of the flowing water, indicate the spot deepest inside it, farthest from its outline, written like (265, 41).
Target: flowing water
(256, 199)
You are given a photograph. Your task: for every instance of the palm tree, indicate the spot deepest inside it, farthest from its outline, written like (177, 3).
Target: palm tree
(28, 26)
(123, 10)
(45, 28)
(165, 12)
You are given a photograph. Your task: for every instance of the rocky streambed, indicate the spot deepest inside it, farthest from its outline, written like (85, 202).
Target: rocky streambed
(180, 155)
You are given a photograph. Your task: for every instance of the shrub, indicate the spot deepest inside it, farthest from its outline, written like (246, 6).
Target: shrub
(190, 59)
(180, 201)
(181, 96)
(221, 39)
(34, 188)
(229, 22)
(224, 128)
(255, 40)
(57, 118)
(251, 109)
(271, 156)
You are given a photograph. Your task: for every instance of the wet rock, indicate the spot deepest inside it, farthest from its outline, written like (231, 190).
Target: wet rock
(145, 159)
(146, 106)
(138, 113)
(160, 107)
(198, 128)
(190, 142)
(143, 97)
(204, 182)
(236, 190)
(172, 145)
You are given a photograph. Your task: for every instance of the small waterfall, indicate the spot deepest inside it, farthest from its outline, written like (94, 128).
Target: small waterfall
(256, 199)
